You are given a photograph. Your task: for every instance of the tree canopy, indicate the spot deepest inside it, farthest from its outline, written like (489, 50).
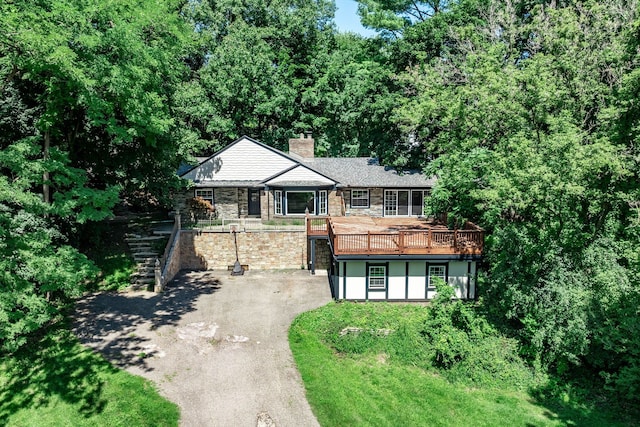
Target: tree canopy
(526, 112)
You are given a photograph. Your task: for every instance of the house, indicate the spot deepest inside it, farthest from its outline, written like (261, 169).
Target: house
(365, 222)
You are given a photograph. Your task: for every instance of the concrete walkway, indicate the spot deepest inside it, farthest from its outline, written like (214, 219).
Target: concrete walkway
(214, 344)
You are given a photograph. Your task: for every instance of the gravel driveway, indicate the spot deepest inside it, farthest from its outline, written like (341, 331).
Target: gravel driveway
(214, 344)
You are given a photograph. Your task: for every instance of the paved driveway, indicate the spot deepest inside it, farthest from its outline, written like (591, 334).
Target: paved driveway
(214, 344)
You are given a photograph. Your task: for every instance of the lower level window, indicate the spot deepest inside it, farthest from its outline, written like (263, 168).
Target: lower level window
(437, 271)
(377, 278)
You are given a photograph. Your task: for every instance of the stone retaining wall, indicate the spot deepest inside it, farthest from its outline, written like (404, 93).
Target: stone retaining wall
(259, 250)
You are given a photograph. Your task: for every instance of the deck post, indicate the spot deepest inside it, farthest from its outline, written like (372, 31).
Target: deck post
(401, 242)
(429, 239)
(312, 264)
(368, 242)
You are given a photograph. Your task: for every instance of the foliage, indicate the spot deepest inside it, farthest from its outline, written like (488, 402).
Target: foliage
(56, 381)
(530, 134)
(255, 62)
(96, 80)
(376, 388)
(38, 271)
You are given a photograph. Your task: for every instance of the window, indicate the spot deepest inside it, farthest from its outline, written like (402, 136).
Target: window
(322, 202)
(359, 198)
(404, 202)
(436, 271)
(299, 201)
(205, 194)
(377, 276)
(390, 203)
(277, 204)
(418, 198)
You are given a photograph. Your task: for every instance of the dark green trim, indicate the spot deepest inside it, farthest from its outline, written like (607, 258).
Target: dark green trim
(386, 278)
(468, 278)
(446, 275)
(406, 280)
(344, 282)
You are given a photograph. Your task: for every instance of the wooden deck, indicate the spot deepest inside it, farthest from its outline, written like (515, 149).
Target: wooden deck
(395, 236)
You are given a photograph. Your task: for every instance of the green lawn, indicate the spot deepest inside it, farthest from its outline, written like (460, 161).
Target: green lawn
(58, 382)
(375, 389)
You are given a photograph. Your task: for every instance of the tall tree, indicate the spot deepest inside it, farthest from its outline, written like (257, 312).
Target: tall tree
(521, 120)
(256, 62)
(85, 114)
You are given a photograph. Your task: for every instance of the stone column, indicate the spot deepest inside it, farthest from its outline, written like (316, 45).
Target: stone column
(158, 276)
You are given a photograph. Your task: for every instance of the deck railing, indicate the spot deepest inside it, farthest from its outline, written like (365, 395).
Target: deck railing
(409, 242)
(317, 226)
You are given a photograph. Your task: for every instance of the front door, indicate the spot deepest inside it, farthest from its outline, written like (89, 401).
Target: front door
(254, 201)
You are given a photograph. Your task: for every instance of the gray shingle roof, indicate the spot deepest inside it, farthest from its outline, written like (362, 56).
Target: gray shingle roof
(366, 172)
(244, 183)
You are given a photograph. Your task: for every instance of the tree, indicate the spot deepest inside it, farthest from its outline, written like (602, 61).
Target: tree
(100, 79)
(531, 133)
(255, 64)
(38, 269)
(85, 115)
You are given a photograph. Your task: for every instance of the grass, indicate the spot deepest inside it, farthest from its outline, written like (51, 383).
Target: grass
(367, 388)
(56, 381)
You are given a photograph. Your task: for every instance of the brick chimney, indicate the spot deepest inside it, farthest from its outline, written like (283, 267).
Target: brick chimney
(302, 146)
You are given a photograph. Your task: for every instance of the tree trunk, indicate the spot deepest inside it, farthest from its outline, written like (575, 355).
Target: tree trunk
(45, 176)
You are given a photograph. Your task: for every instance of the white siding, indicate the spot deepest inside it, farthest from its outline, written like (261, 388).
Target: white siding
(356, 280)
(397, 280)
(417, 280)
(458, 277)
(243, 161)
(300, 173)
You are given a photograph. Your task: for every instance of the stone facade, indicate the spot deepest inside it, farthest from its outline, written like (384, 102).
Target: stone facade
(233, 203)
(323, 253)
(226, 201)
(336, 205)
(259, 250)
(375, 203)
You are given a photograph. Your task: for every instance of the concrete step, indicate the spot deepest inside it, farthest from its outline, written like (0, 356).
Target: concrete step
(142, 280)
(145, 254)
(139, 238)
(138, 244)
(142, 276)
(141, 249)
(145, 260)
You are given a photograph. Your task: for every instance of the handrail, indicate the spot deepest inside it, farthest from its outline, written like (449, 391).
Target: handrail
(408, 242)
(167, 248)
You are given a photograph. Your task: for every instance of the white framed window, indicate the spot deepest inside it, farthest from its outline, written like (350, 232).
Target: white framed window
(376, 276)
(404, 202)
(205, 194)
(277, 202)
(390, 203)
(439, 271)
(299, 201)
(322, 202)
(359, 198)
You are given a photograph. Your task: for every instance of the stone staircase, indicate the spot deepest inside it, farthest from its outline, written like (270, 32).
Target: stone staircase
(145, 255)
(146, 244)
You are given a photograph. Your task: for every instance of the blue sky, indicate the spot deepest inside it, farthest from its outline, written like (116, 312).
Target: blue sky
(347, 18)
